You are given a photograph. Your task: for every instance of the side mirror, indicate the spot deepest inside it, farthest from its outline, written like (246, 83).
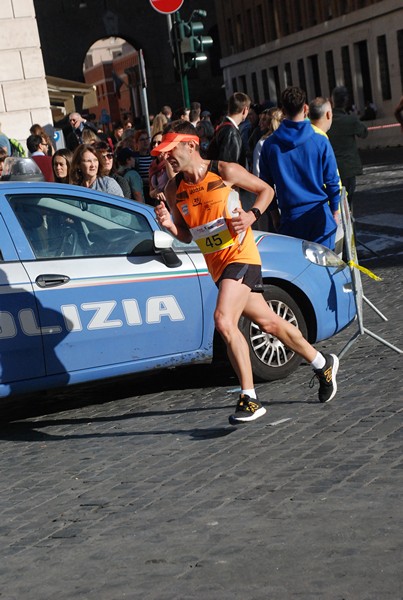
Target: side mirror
(163, 245)
(162, 241)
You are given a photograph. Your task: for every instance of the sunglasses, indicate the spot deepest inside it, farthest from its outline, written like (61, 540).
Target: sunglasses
(108, 155)
(155, 143)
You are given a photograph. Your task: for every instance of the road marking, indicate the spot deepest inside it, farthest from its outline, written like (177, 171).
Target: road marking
(279, 421)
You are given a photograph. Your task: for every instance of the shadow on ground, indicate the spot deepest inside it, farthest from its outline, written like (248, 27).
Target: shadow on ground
(54, 401)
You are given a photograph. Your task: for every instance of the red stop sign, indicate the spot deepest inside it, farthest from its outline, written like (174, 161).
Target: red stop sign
(166, 6)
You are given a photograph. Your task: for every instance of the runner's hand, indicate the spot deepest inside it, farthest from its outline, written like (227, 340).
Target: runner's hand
(163, 215)
(242, 220)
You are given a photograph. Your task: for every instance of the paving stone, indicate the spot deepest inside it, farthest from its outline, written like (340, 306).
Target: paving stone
(151, 494)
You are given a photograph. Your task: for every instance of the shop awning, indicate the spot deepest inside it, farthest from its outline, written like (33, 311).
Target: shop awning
(63, 91)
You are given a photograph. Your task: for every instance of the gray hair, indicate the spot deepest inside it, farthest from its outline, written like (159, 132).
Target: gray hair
(317, 108)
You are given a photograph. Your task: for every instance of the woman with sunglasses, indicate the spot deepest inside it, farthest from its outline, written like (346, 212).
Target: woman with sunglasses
(110, 170)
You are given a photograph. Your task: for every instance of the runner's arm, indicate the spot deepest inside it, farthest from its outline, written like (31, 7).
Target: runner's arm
(172, 221)
(236, 176)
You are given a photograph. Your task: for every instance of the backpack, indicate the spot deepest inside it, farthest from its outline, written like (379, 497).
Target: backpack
(16, 148)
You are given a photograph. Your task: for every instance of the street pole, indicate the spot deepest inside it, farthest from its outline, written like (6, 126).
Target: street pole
(179, 60)
(130, 82)
(143, 91)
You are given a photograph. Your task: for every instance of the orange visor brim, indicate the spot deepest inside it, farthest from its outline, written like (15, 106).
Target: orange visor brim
(170, 140)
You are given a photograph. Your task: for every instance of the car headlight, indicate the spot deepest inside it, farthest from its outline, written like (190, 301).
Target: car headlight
(320, 255)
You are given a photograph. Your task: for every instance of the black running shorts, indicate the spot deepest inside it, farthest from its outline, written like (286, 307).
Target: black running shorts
(251, 275)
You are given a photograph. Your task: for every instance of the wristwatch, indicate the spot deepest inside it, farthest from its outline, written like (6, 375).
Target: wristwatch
(256, 212)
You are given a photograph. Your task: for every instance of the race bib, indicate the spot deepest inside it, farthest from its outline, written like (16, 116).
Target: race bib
(213, 236)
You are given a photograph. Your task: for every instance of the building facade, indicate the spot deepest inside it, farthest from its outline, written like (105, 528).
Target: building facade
(267, 45)
(118, 85)
(68, 29)
(24, 98)
(43, 39)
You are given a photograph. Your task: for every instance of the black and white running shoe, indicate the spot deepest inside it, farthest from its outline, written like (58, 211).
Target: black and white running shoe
(247, 409)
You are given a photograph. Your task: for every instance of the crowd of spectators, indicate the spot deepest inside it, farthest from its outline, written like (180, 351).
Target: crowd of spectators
(254, 135)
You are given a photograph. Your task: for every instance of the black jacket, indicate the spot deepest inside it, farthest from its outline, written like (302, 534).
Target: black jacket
(74, 138)
(227, 144)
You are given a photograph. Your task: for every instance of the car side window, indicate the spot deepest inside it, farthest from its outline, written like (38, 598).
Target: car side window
(60, 227)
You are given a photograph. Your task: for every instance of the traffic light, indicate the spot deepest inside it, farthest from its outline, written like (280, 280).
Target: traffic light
(175, 35)
(188, 45)
(192, 43)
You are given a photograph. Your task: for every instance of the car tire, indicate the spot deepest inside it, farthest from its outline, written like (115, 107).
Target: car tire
(271, 359)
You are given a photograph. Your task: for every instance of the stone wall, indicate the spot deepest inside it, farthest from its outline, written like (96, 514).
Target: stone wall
(24, 98)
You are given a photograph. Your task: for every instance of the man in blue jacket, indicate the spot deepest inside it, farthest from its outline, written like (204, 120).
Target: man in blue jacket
(299, 162)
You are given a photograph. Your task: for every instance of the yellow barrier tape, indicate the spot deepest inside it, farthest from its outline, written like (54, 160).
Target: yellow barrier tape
(354, 265)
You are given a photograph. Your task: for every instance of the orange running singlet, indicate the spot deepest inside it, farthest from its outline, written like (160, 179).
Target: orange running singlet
(207, 208)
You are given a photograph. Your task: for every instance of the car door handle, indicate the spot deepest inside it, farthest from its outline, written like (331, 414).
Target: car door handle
(50, 280)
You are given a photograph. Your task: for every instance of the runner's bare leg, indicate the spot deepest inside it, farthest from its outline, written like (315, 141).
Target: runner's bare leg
(258, 311)
(232, 298)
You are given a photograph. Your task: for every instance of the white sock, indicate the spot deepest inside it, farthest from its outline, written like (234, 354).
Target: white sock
(318, 362)
(251, 393)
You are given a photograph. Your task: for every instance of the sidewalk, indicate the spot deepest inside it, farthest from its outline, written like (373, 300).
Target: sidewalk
(378, 207)
(383, 156)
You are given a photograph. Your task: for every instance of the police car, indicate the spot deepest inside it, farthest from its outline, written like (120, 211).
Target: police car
(92, 288)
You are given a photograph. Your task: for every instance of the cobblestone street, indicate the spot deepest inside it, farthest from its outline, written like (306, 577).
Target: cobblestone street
(141, 489)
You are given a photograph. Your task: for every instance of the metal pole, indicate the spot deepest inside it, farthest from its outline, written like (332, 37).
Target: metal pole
(185, 87)
(179, 59)
(143, 92)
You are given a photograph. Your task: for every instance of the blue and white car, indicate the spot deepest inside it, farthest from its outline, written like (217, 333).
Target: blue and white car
(91, 288)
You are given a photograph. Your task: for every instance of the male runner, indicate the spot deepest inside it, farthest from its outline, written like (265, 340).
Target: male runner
(205, 207)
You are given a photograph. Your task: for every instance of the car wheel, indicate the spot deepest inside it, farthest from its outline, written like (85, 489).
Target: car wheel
(270, 358)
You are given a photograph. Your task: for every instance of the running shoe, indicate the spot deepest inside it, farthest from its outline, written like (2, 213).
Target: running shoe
(327, 378)
(247, 409)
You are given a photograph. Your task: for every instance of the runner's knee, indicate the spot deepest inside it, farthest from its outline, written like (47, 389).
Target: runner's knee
(223, 324)
(279, 327)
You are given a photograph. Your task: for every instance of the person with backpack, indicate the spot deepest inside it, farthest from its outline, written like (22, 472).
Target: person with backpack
(17, 148)
(11, 145)
(227, 142)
